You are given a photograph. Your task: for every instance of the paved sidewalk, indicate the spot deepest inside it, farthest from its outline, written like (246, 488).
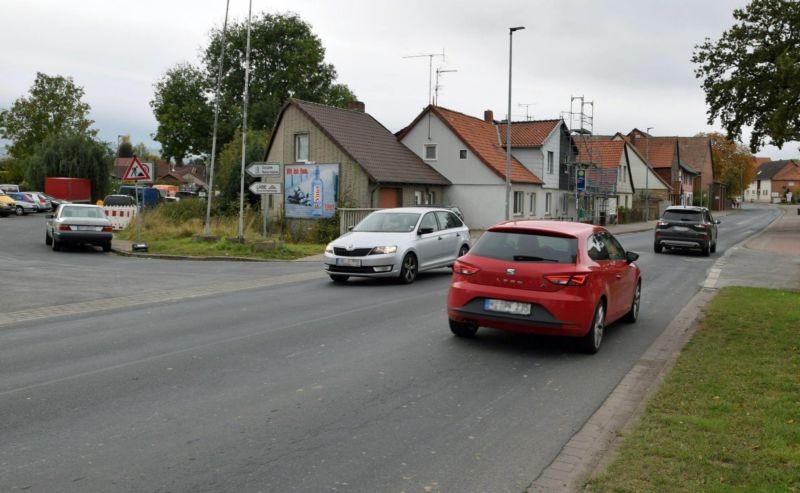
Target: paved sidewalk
(771, 259)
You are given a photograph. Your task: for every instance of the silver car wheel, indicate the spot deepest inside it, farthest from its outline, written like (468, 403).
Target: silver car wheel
(408, 269)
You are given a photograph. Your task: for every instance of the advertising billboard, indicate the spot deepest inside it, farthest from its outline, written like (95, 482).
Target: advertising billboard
(310, 190)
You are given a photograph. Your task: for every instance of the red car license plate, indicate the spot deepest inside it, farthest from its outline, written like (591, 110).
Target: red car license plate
(513, 307)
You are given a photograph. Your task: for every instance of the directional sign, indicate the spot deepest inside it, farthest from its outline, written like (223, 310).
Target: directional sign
(260, 187)
(264, 169)
(138, 171)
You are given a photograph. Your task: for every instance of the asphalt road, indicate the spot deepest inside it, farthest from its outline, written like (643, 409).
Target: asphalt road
(223, 376)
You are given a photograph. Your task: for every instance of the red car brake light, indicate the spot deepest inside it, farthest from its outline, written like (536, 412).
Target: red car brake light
(702, 226)
(464, 269)
(568, 279)
(64, 227)
(108, 229)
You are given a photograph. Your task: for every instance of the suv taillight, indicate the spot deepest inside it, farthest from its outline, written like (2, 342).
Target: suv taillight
(661, 224)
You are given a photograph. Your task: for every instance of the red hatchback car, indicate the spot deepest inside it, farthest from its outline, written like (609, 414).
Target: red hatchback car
(545, 277)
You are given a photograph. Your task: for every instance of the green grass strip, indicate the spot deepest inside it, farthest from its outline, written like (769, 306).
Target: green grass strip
(727, 417)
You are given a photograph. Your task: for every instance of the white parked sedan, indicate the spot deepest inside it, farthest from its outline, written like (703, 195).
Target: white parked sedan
(399, 243)
(78, 223)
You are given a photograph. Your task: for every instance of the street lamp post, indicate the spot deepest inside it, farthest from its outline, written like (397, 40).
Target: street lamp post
(508, 129)
(646, 179)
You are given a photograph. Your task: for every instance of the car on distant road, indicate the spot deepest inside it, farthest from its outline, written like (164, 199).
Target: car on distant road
(24, 204)
(7, 205)
(545, 277)
(7, 187)
(78, 224)
(399, 243)
(54, 201)
(686, 227)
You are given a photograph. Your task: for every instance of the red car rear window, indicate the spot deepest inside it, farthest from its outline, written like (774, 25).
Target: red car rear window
(526, 247)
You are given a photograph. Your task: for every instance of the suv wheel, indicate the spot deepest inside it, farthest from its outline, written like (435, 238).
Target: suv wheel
(657, 248)
(706, 250)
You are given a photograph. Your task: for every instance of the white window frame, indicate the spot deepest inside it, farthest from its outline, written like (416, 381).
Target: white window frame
(548, 202)
(462, 152)
(435, 148)
(550, 159)
(532, 205)
(431, 198)
(297, 157)
(417, 197)
(519, 203)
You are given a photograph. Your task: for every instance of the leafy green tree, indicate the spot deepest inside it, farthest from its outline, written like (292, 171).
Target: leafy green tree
(54, 106)
(71, 155)
(184, 113)
(287, 60)
(229, 166)
(125, 149)
(751, 75)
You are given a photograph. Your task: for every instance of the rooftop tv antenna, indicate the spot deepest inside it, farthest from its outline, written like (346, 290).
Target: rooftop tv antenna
(527, 110)
(436, 87)
(430, 69)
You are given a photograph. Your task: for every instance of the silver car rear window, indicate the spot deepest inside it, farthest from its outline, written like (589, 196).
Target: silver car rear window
(683, 216)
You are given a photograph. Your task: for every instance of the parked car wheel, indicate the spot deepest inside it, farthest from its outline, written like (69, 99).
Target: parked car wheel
(56, 245)
(633, 315)
(590, 343)
(408, 269)
(657, 248)
(462, 329)
(706, 250)
(47, 240)
(107, 246)
(19, 211)
(338, 278)
(714, 247)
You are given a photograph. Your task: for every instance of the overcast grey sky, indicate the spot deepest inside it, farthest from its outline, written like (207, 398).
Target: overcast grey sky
(631, 58)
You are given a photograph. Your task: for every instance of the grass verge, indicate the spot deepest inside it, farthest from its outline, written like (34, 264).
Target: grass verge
(169, 230)
(727, 417)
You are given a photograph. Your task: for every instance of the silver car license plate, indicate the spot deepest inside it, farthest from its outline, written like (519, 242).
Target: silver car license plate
(348, 262)
(513, 307)
(88, 228)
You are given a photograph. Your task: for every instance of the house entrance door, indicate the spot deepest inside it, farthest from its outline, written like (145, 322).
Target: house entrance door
(390, 197)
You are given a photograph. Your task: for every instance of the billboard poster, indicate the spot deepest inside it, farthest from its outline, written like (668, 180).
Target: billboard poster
(310, 190)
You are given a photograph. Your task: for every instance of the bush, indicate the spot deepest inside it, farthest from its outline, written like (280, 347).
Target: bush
(184, 210)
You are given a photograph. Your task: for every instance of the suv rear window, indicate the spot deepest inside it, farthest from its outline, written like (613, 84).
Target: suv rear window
(119, 200)
(678, 215)
(515, 246)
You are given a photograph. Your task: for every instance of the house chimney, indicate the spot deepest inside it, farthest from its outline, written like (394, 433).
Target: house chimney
(356, 106)
(488, 116)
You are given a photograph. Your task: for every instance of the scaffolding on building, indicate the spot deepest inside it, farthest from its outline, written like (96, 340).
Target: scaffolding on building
(592, 199)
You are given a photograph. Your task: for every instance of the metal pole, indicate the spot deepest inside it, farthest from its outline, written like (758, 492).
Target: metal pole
(508, 127)
(210, 192)
(646, 181)
(244, 125)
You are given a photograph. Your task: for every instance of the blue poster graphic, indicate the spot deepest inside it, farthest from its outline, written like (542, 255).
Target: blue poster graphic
(311, 190)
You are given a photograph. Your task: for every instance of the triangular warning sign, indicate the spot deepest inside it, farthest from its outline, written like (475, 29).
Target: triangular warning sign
(136, 171)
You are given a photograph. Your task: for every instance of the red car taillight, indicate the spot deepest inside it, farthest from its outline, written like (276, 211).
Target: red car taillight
(702, 226)
(108, 229)
(64, 227)
(568, 279)
(464, 269)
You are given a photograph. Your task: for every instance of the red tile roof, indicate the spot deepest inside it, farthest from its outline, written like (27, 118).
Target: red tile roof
(659, 151)
(482, 139)
(603, 153)
(528, 133)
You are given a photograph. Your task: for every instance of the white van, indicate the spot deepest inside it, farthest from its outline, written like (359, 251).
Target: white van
(9, 188)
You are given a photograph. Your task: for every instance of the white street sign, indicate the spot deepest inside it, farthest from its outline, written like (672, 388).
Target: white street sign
(264, 169)
(260, 187)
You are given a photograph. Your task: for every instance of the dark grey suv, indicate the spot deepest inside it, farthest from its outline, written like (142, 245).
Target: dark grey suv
(686, 227)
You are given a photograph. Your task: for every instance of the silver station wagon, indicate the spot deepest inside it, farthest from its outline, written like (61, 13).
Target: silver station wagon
(398, 243)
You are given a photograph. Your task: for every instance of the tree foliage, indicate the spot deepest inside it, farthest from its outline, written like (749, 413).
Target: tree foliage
(54, 106)
(286, 60)
(733, 163)
(751, 75)
(229, 166)
(71, 155)
(183, 112)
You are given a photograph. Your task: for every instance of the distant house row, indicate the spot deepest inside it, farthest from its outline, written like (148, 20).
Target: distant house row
(774, 181)
(450, 158)
(191, 177)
